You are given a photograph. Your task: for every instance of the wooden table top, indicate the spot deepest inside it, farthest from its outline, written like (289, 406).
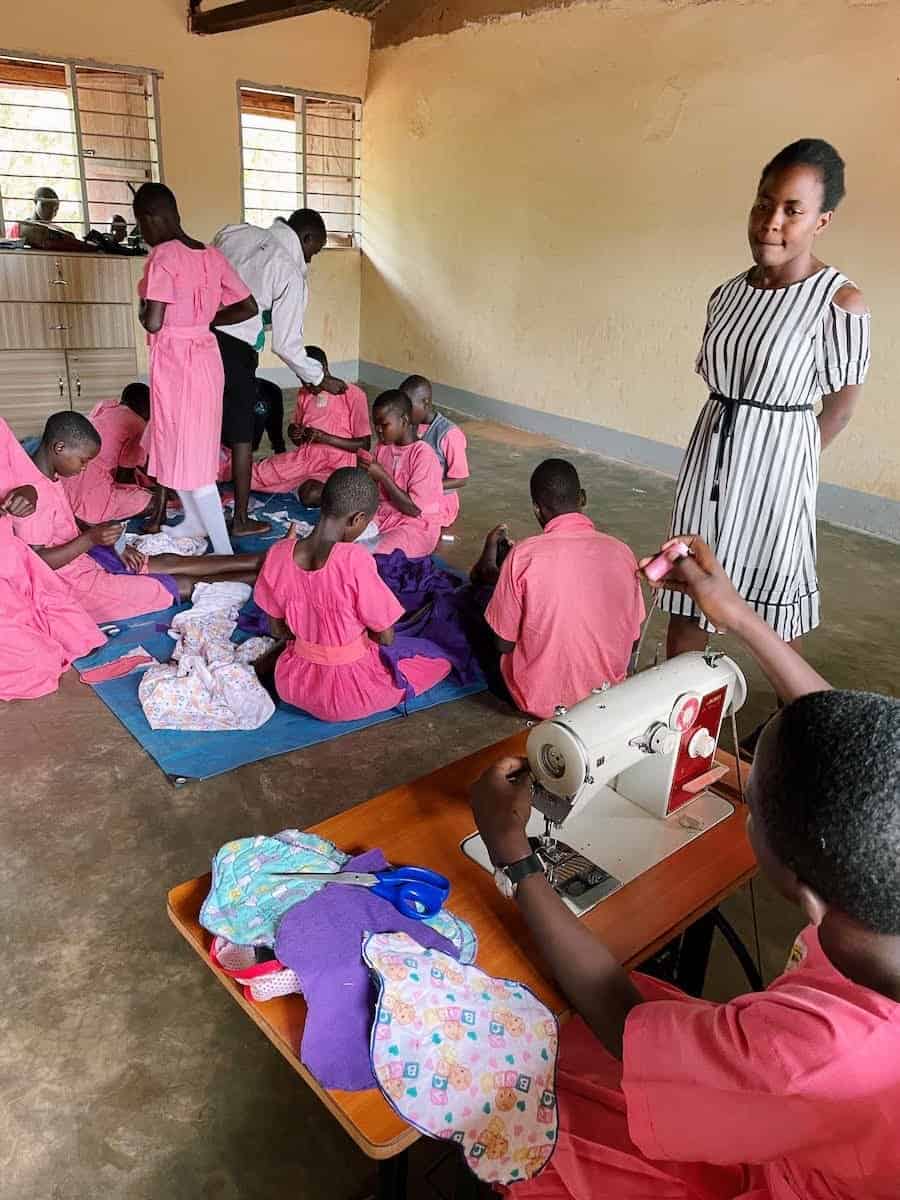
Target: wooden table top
(422, 823)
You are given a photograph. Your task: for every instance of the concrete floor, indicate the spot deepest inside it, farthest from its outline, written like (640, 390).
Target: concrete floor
(126, 1071)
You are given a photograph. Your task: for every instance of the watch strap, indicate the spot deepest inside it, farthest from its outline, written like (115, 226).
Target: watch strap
(521, 869)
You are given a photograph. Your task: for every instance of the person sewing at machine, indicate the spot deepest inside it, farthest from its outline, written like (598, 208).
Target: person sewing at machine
(328, 604)
(445, 438)
(566, 608)
(135, 584)
(786, 1093)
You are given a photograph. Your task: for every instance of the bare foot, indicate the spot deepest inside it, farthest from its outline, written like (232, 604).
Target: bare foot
(248, 527)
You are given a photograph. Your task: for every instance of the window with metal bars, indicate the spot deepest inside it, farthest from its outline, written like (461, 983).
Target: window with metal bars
(89, 132)
(300, 150)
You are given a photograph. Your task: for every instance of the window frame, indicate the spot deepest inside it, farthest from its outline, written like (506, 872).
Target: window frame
(354, 241)
(70, 67)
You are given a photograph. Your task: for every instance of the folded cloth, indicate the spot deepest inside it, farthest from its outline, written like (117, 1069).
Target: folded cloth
(110, 561)
(463, 1056)
(135, 658)
(167, 543)
(321, 940)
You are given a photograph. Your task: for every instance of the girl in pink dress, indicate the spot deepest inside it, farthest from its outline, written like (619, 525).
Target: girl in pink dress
(69, 443)
(43, 628)
(186, 288)
(327, 430)
(408, 475)
(325, 597)
(96, 494)
(445, 438)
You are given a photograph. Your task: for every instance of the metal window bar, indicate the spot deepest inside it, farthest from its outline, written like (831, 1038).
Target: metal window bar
(138, 94)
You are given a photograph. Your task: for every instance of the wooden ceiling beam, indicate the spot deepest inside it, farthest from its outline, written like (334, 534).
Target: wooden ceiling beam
(245, 14)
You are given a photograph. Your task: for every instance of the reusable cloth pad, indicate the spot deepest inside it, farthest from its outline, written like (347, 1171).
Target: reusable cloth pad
(465, 1057)
(320, 940)
(245, 903)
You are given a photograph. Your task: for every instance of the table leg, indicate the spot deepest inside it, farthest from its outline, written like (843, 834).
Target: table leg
(392, 1172)
(693, 957)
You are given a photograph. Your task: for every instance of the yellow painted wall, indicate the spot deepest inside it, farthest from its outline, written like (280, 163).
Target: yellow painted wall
(326, 52)
(549, 200)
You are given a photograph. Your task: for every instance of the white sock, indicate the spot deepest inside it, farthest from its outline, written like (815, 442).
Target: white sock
(192, 525)
(208, 507)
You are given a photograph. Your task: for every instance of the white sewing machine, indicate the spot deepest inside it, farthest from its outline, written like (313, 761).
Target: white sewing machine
(627, 771)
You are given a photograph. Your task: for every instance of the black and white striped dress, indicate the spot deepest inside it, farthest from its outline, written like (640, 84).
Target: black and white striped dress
(750, 473)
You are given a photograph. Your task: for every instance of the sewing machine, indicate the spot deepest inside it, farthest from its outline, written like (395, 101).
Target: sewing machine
(627, 772)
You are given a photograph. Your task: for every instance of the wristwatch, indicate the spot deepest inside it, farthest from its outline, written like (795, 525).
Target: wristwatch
(509, 877)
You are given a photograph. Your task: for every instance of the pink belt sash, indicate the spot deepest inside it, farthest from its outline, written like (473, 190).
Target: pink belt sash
(332, 656)
(184, 332)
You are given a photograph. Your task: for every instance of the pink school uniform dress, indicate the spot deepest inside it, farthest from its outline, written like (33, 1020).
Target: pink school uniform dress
(94, 494)
(449, 443)
(43, 628)
(344, 416)
(788, 1094)
(332, 668)
(103, 596)
(416, 470)
(571, 601)
(186, 374)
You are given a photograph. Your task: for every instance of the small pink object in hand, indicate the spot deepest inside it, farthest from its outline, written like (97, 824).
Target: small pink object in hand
(663, 563)
(365, 458)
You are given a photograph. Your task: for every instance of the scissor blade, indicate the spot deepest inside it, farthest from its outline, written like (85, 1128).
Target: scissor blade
(358, 877)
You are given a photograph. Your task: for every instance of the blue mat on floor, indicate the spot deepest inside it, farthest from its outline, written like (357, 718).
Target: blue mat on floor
(184, 755)
(281, 502)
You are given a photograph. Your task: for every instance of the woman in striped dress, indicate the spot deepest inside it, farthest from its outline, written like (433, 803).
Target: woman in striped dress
(780, 338)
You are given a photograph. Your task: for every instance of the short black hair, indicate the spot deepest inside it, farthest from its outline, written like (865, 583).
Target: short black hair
(395, 399)
(813, 152)
(413, 384)
(307, 220)
(832, 812)
(45, 193)
(349, 490)
(318, 354)
(71, 428)
(136, 396)
(155, 199)
(555, 486)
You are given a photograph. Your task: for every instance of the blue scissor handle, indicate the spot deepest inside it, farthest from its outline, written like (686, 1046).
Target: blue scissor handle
(417, 892)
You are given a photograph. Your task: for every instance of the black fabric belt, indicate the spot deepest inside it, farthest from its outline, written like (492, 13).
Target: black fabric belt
(725, 426)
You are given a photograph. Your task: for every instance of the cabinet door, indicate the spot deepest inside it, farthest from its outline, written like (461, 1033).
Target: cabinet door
(30, 275)
(33, 384)
(99, 326)
(34, 326)
(98, 375)
(35, 275)
(97, 279)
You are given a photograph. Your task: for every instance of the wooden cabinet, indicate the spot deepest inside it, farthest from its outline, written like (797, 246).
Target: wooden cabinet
(96, 374)
(33, 384)
(67, 333)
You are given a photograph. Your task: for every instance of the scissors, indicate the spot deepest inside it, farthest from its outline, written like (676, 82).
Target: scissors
(415, 891)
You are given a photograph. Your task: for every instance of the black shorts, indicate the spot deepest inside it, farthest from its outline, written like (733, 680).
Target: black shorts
(240, 361)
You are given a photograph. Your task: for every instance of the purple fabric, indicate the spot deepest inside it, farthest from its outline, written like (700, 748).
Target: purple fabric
(414, 580)
(110, 561)
(252, 620)
(321, 939)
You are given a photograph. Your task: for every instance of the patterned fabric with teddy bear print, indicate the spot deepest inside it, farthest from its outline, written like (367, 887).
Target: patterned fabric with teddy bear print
(465, 1057)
